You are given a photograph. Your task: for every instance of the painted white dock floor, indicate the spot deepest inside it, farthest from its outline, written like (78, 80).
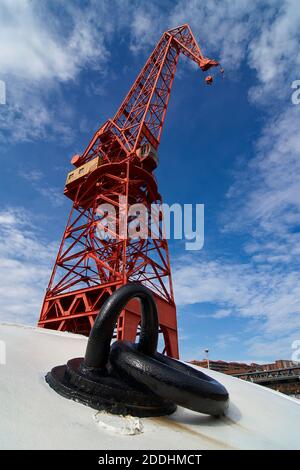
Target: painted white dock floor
(33, 416)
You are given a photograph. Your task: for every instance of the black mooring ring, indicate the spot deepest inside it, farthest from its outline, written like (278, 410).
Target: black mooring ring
(170, 379)
(98, 348)
(129, 378)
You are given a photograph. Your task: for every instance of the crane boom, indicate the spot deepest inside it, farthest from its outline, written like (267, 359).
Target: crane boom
(140, 117)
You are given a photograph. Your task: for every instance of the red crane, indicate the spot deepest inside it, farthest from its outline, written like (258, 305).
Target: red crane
(117, 169)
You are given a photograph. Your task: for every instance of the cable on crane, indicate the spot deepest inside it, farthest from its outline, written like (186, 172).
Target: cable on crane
(133, 378)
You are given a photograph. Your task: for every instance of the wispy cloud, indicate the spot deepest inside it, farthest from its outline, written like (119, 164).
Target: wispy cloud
(264, 34)
(265, 195)
(274, 53)
(143, 34)
(224, 341)
(39, 183)
(269, 296)
(42, 46)
(37, 45)
(25, 259)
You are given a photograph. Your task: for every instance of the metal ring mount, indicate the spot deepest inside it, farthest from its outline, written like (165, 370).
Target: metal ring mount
(130, 378)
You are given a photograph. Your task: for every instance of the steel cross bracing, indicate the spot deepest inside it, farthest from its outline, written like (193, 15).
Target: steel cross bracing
(94, 259)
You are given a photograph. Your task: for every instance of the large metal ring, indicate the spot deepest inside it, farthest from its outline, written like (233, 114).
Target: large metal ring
(129, 378)
(170, 379)
(97, 351)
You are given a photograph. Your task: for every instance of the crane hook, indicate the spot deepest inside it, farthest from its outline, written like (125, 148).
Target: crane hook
(209, 79)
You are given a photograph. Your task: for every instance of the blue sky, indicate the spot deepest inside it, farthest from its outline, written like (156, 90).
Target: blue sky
(234, 146)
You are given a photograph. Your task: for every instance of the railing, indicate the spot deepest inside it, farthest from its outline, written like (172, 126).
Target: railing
(288, 373)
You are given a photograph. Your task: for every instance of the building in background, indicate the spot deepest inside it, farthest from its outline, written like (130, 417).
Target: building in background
(281, 375)
(233, 368)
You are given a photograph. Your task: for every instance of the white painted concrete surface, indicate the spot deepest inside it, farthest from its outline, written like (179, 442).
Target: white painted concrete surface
(33, 416)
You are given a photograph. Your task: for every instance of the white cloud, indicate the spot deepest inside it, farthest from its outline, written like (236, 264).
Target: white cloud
(143, 34)
(276, 347)
(43, 45)
(222, 313)
(275, 54)
(267, 203)
(264, 34)
(270, 297)
(25, 260)
(39, 183)
(29, 115)
(38, 43)
(223, 27)
(224, 341)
